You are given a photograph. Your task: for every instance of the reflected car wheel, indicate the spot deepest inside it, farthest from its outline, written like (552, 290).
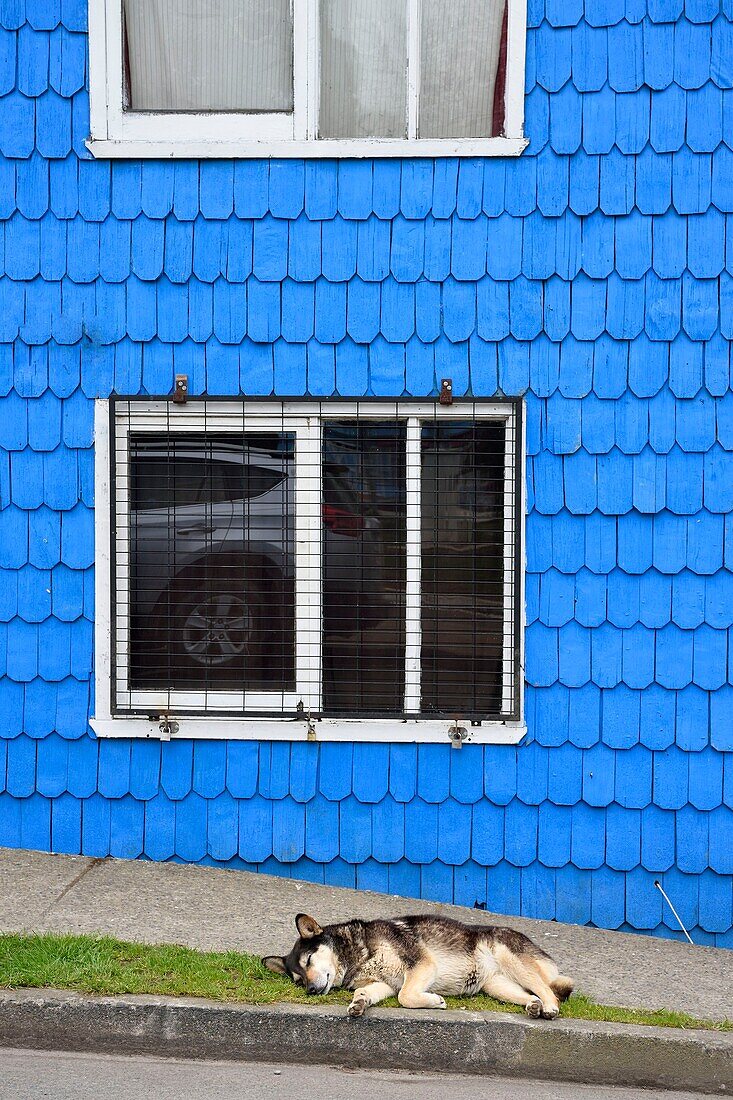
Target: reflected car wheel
(219, 628)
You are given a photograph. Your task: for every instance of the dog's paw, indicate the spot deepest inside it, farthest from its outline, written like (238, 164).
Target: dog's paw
(533, 1008)
(550, 1013)
(357, 1008)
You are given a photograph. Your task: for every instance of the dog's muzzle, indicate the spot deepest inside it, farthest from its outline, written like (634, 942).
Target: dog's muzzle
(314, 990)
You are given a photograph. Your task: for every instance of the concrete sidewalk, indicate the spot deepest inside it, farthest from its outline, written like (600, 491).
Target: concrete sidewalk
(220, 910)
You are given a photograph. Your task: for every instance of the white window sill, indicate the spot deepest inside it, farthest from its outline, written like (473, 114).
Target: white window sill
(371, 147)
(327, 729)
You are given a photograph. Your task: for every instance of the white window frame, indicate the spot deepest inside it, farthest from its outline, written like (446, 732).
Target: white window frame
(167, 711)
(116, 132)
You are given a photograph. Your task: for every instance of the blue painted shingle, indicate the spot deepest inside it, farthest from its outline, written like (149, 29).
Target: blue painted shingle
(453, 832)
(621, 716)
(588, 836)
(336, 761)
(398, 312)
(623, 838)
(303, 766)
(222, 827)
(643, 901)
(657, 839)
(584, 716)
(339, 244)
(691, 54)
(468, 248)
(126, 828)
(504, 248)
(691, 181)
(321, 829)
(565, 775)
(598, 775)
(373, 248)
(255, 829)
(288, 830)
(421, 831)
(616, 183)
(715, 900)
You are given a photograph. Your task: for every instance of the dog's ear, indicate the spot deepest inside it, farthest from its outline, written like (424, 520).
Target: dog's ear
(307, 926)
(275, 963)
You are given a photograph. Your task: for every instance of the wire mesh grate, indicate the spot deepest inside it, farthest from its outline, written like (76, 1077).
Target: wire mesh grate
(306, 559)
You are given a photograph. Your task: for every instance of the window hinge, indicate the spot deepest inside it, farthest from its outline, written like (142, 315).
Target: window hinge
(180, 390)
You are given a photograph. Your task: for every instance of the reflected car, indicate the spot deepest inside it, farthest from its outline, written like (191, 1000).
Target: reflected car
(212, 548)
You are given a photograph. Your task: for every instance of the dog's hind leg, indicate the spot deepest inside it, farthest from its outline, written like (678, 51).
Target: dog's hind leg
(560, 985)
(527, 971)
(504, 989)
(414, 992)
(368, 995)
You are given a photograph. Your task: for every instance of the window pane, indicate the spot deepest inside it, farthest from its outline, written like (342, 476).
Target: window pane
(209, 55)
(363, 68)
(459, 59)
(462, 495)
(363, 567)
(211, 549)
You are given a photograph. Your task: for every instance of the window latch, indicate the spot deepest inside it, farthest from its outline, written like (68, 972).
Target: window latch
(168, 727)
(457, 735)
(311, 728)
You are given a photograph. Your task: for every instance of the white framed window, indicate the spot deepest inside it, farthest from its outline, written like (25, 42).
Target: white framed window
(306, 78)
(309, 570)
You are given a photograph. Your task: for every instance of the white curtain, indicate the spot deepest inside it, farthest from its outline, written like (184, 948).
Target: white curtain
(363, 68)
(210, 55)
(459, 57)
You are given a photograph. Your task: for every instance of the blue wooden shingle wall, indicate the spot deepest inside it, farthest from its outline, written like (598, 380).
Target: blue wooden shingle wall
(593, 275)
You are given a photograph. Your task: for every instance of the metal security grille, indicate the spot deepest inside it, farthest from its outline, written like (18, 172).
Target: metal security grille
(316, 561)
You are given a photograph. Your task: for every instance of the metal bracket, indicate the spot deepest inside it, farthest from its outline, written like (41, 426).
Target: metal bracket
(168, 727)
(311, 734)
(180, 390)
(457, 735)
(446, 391)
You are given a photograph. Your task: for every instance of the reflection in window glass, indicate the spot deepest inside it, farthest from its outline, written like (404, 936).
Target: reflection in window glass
(462, 487)
(363, 68)
(460, 59)
(212, 559)
(209, 55)
(363, 466)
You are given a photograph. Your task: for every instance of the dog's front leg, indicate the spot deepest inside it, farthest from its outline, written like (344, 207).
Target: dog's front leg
(414, 992)
(368, 995)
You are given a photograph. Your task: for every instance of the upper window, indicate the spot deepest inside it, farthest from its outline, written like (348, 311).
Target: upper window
(306, 77)
(350, 563)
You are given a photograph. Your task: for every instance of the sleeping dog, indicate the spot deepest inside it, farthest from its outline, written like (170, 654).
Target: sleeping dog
(420, 958)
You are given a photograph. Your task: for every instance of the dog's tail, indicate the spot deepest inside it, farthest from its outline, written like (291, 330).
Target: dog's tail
(562, 987)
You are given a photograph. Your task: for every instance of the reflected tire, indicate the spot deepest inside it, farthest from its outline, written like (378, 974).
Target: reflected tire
(217, 630)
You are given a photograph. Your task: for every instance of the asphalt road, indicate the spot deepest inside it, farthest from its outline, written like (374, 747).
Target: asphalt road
(39, 1075)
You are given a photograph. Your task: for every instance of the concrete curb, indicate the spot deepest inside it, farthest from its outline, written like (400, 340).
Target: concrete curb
(457, 1042)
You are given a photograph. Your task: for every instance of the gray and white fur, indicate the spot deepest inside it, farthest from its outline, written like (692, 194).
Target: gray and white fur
(421, 959)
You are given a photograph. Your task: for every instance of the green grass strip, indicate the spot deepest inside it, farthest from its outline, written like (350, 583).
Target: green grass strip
(90, 964)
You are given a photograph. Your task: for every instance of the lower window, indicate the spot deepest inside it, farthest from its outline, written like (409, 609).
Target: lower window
(317, 562)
